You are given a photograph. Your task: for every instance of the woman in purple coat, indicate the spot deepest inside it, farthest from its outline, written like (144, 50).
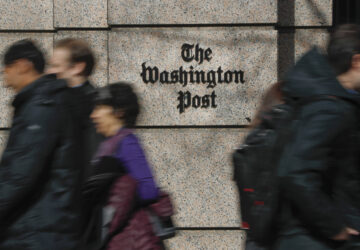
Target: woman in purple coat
(130, 196)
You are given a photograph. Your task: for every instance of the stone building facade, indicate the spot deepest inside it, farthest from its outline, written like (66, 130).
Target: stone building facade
(200, 69)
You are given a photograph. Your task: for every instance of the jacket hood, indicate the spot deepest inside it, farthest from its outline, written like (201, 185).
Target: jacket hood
(313, 76)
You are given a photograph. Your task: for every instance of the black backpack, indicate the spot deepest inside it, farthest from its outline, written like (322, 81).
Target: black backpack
(256, 170)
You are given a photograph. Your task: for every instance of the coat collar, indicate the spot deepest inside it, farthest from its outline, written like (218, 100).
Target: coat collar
(26, 92)
(45, 85)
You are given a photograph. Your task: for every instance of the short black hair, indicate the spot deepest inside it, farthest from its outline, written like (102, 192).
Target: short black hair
(343, 45)
(120, 96)
(79, 52)
(25, 49)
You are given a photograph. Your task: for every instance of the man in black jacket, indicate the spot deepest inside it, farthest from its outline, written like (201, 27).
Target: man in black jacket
(320, 167)
(39, 182)
(74, 62)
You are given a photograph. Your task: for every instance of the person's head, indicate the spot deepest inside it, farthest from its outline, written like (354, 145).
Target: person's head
(23, 63)
(273, 96)
(116, 106)
(72, 60)
(344, 52)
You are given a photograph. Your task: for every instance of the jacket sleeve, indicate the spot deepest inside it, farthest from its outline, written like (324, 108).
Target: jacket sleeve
(122, 198)
(134, 160)
(25, 161)
(305, 161)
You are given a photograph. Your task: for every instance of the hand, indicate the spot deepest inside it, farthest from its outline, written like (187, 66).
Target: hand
(345, 234)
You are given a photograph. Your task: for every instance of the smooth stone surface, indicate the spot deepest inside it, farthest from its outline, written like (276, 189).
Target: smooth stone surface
(45, 41)
(26, 15)
(80, 13)
(306, 13)
(98, 42)
(195, 166)
(192, 12)
(251, 50)
(209, 240)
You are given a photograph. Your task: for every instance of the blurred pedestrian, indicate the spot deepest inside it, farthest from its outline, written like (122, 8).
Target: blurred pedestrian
(319, 169)
(133, 199)
(39, 182)
(74, 61)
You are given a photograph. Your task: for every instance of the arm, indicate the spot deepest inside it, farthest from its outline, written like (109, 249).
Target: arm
(134, 160)
(25, 161)
(304, 163)
(122, 198)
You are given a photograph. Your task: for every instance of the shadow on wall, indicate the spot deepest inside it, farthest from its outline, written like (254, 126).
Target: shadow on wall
(316, 11)
(305, 39)
(292, 42)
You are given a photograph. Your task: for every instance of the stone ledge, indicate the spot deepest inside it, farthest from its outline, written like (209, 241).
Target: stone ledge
(80, 14)
(26, 15)
(192, 12)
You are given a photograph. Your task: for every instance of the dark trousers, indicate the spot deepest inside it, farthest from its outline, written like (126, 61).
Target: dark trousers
(307, 242)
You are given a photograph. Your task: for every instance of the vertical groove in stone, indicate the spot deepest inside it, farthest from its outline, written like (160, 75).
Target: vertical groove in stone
(53, 7)
(107, 13)
(286, 39)
(108, 57)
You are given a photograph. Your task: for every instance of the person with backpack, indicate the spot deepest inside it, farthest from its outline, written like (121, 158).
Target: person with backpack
(133, 204)
(319, 169)
(255, 176)
(303, 192)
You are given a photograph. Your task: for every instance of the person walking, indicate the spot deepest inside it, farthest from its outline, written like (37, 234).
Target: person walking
(39, 182)
(133, 200)
(319, 168)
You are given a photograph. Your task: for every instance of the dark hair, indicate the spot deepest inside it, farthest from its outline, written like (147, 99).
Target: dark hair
(273, 96)
(343, 45)
(79, 52)
(25, 49)
(121, 97)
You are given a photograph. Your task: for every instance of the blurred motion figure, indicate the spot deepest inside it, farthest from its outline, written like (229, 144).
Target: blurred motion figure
(39, 182)
(133, 200)
(319, 168)
(74, 62)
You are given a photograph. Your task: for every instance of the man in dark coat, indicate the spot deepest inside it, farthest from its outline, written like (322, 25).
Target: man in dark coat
(74, 61)
(320, 167)
(39, 182)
